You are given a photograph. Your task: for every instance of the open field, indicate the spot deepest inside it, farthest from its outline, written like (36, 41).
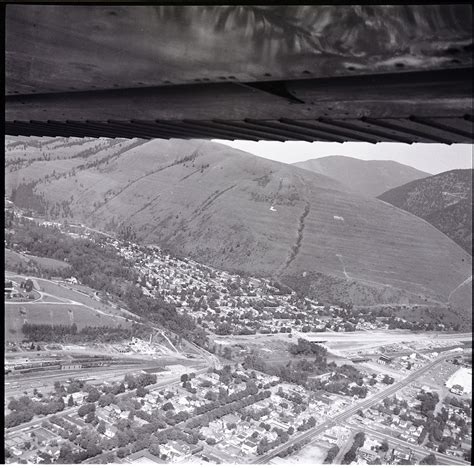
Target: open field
(13, 260)
(54, 314)
(351, 341)
(49, 263)
(310, 455)
(78, 293)
(52, 291)
(274, 347)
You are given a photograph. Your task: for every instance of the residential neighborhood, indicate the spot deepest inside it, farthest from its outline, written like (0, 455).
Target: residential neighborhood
(276, 377)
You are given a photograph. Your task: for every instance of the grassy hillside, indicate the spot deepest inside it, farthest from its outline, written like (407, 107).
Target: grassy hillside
(33, 265)
(235, 211)
(444, 200)
(369, 178)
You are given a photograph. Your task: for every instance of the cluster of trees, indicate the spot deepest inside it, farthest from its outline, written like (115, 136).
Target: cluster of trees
(453, 401)
(264, 445)
(351, 454)
(18, 417)
(24, 408)
(70, 333)
(331, 455)
(249, 414)
(86, 409)
(308, 348)
(68, 431)
(291, 449)
(294, 397)
(127, 233)
(415, 325)
(211, 411)
(139, 380)
(299, 371)
(429, 400)
(388, 380)
(341, 381)
(69, 455)
(254, 361)
(307, 424)
(25, 196)
(130, 439)
(429, 460)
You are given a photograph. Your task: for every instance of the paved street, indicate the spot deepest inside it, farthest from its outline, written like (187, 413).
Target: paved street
(418, 450)
(344, 415)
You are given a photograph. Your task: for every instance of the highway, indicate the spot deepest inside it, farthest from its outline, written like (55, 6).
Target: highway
(418, 450)
(344, 415)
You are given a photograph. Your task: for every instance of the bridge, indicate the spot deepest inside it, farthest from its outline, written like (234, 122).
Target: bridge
(396, 73)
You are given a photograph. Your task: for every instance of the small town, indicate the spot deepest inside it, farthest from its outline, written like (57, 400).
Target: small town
(224, 403)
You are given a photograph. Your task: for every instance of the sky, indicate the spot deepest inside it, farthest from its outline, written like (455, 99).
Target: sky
(429, 157)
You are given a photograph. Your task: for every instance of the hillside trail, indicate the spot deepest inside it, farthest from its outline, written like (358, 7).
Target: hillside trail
(339, 256)
(459, 286)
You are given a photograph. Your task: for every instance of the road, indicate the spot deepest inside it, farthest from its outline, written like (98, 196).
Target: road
(416, 449)
(347, 445)
(62, 300)
(344, 415)
(212, 359)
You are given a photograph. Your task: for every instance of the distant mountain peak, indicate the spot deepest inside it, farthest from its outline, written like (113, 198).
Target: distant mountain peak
(366, 177)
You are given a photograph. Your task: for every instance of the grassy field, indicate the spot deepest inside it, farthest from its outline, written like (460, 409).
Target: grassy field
(273, 350)
(54, 314)
(49, 263)
(14, 260)
(52, 311)
(309, 455)
(74, 293)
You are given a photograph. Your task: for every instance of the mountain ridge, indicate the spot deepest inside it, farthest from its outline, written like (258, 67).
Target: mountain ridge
(444, 200)
(235, 211)
(367, 177)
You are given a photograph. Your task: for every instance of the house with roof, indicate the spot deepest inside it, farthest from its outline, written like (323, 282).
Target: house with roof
(115, 409)
(278, 423)
(78, 397)
(367, 454)
(110, 431)
(211, 458)
(180, 447)
(249, 447)
(170, 453)
(144, 456)
(384, 359)
(401, 453)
